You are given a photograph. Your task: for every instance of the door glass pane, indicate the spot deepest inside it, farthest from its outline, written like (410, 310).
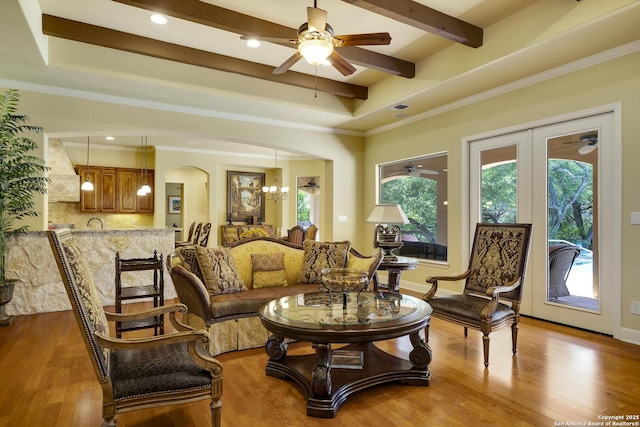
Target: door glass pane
(572, 164)
(499, 183)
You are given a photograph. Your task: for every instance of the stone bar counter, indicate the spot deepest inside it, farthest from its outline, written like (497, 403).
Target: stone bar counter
(40, 289)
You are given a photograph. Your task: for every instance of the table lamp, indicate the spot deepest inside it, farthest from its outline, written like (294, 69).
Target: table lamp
(387, 235)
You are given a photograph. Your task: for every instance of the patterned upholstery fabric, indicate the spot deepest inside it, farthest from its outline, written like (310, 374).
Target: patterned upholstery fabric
(155, 370)
(499, 253)
(242, 256)
(87, 290)
(189, 260)
(321, 255)
(253, 232)
(268, 270)
(219, 271)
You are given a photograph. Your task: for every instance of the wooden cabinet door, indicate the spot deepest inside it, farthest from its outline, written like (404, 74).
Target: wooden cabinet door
(145, 203)
(90, 200)
(108, 191)
(128, 184)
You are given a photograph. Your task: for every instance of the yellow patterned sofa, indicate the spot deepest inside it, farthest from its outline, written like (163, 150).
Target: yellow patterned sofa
(225, 287)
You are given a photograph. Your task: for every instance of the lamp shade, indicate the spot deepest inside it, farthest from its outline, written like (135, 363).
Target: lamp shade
(387, 214)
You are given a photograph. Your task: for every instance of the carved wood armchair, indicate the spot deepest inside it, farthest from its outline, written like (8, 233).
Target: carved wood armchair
(136, 373)
(493, 283)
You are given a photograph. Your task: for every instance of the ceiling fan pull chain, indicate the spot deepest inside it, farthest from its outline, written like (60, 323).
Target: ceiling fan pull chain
(315, 95)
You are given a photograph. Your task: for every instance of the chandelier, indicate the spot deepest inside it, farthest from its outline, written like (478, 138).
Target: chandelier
(275, 192)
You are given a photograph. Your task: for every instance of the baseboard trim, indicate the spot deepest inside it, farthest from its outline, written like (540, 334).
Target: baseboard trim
(630, 335)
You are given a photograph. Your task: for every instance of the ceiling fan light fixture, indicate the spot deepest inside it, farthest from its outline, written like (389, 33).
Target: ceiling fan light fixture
(315, 51)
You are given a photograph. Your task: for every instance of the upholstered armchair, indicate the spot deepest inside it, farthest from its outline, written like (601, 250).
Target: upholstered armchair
(493, 284)
(136, 373)
(311, 232)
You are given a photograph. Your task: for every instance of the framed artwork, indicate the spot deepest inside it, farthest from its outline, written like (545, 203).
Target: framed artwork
(175, 204)
(244, 196)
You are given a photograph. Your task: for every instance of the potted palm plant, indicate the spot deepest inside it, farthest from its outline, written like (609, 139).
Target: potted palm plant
(22, 175)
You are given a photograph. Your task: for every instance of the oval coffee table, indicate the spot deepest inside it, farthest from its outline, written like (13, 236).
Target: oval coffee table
(329, 376)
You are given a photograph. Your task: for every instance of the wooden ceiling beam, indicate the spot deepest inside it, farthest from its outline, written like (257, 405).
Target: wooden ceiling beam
(99, 36)
(417, 15)
(228, 20)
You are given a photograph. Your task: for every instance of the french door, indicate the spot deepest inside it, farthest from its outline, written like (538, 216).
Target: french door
(562, 178)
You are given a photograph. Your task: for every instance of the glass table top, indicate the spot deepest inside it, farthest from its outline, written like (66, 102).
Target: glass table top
(365, 308)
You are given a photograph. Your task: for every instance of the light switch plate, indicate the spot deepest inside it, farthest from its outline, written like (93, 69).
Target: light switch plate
(635, 218)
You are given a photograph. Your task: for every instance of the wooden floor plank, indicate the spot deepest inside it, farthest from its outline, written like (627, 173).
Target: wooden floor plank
(560, 374)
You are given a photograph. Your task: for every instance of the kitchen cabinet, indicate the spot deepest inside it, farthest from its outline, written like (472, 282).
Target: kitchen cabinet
(115, 191)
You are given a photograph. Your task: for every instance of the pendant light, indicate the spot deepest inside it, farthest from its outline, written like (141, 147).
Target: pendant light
(145, 186)
(87, 185)
(142, 191)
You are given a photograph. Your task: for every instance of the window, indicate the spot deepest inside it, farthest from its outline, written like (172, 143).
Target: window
(419, 186)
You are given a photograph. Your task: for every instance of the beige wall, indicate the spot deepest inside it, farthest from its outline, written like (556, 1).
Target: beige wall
(615, 81)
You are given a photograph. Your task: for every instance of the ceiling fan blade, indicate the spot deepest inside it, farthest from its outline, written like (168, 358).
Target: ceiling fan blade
(428, 172)
(363, 39)
(288, 63)
(270, 39)
(587, 148)
(341, 64)
(317, 19)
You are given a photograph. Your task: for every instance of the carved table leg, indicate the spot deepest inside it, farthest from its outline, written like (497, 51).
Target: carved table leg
(276, 348)
(420, 356)
(321, 376)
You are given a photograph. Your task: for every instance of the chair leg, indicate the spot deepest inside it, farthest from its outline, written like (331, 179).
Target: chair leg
(466, 331)
(110, 422)
(216, 412)
(514, 337)
(485, 346)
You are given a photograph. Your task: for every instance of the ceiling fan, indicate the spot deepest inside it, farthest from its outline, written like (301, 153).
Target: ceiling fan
(589, 143)
(316, 42)
(310, 184)
(412, 170)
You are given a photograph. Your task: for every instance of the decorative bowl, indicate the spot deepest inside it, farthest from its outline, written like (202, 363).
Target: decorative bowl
(344, 279)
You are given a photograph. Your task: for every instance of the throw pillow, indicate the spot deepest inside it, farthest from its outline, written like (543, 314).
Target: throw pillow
(369, 264)
(268, 270)
(219, 271)
(321, 255)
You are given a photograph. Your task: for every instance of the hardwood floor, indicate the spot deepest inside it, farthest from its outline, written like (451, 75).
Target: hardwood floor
(559, 375)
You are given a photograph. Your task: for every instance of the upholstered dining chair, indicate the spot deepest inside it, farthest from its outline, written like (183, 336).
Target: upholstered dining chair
(192, 228)
(196, 234)
(296, 235)
(311, 232)
(139, 373)
(204, 236)
(493, 284)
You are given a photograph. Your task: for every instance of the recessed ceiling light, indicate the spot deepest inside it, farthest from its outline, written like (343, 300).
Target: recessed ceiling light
(109, 138)
(401, 116)
(191, 142)
(253, 43)
(158, 19)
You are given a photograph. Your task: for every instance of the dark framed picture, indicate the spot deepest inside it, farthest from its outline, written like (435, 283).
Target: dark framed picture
(175, 205)
(244, 196)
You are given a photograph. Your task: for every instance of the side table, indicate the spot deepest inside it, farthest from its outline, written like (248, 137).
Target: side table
(395, 269)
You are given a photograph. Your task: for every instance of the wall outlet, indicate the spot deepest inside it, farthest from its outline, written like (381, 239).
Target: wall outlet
(635, 307)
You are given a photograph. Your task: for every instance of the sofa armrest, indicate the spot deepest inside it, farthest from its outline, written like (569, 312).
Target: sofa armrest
(192, 292)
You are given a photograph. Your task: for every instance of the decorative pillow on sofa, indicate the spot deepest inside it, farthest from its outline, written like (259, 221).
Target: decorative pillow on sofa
(219, 270)
(268, 270)
(321, 255)
(189, 260)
